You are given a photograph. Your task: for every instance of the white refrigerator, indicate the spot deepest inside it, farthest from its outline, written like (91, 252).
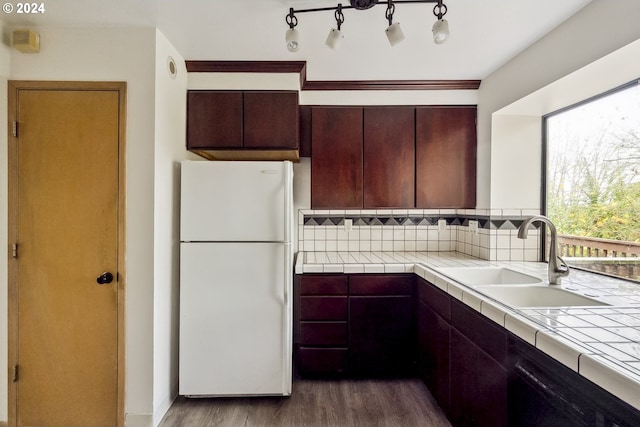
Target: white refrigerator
(236, 272)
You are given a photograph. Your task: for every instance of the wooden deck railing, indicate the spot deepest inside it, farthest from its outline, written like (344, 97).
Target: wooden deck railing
(591, 247)
(612, 257)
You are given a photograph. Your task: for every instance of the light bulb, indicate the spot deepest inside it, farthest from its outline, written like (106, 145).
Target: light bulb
(334, 38)
(440, 31)
(292, 37)
(394, 34)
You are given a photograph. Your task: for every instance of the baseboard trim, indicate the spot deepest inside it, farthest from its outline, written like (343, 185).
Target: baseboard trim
(161, 410)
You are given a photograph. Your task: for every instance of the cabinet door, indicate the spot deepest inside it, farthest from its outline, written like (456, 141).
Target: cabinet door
(492, 406)
(478, 385)
(271, 120)
(433, 359)
(305, 130)
(336, 159)
(464, 380)
(445, 157)
(381, 338)
(214, 119)
(389, 161)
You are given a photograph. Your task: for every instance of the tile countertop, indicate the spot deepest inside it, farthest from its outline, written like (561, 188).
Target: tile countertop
(601, 343)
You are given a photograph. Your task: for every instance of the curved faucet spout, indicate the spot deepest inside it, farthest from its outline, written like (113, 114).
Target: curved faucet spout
(557, 267)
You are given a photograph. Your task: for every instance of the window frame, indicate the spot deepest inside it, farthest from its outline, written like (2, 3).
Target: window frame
(545, 159)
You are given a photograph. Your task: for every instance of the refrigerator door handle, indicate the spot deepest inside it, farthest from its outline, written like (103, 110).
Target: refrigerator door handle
(288, 201)
(287, 363)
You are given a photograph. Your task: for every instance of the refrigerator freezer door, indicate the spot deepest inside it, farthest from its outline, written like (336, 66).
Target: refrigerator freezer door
(235, 319)
(236, 201)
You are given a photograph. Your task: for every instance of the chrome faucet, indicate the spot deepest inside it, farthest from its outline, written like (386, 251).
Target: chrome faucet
(557, 267)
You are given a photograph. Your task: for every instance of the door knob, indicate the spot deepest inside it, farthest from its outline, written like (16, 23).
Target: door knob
(105, 278)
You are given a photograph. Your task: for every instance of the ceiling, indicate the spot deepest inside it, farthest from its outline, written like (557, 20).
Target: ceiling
(484, 33)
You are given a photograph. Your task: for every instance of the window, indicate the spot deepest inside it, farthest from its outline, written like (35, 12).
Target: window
(592, 186)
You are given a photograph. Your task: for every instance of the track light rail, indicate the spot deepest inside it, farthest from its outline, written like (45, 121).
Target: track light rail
(393, 32)
(320, 9)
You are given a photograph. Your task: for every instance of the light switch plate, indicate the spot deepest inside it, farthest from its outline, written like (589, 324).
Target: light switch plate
(442, 225)
(348, 224)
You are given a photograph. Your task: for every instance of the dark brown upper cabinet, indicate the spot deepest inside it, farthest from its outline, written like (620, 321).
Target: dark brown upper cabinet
(389, 161)
(243, 124)
(271, 120)
(214, 119)
(362, 157)
(446, 157)
(305, 130)
(336, 157)
(393, 157)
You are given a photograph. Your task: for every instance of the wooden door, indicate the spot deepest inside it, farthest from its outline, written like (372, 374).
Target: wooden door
(65, 218)
(389, 161)
(336, 159)
(446, 157)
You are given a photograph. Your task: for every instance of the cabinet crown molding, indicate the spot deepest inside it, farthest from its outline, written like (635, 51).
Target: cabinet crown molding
(325, 85)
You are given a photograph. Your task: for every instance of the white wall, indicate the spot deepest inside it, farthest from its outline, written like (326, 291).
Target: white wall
(170, 130)
(114, 54)
(552, 65)
(5, 61)
(516, 182)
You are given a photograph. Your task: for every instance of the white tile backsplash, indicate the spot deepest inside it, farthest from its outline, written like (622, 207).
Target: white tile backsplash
(498, 242)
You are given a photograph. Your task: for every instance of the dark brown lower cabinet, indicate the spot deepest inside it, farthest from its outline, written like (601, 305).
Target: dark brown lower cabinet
(367, 331)
(381, 338)
(478, 352)
(478, 385)
(321, 332)
(479, 373)
(543, 392)
(461, 359)
(433, 353)
(496, 379)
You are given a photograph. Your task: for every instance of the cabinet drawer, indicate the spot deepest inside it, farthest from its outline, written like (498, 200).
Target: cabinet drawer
(323, 285)
(368, 284)
(322, 360)
(334, 334)
(323, 308)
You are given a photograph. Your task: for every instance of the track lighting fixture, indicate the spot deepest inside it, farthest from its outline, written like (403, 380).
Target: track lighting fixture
(335, 34)
(292, 37)
(394, 34)
(393, 31)
(441, 27)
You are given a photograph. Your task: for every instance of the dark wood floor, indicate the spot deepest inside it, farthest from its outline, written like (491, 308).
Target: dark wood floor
(317, 403)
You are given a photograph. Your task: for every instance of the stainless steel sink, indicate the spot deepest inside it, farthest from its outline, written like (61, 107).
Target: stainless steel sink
(537, 296)
(480, 276)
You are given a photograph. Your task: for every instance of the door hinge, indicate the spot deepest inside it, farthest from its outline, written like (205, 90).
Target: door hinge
(14, 129)
(15, 373)
(14, 250)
